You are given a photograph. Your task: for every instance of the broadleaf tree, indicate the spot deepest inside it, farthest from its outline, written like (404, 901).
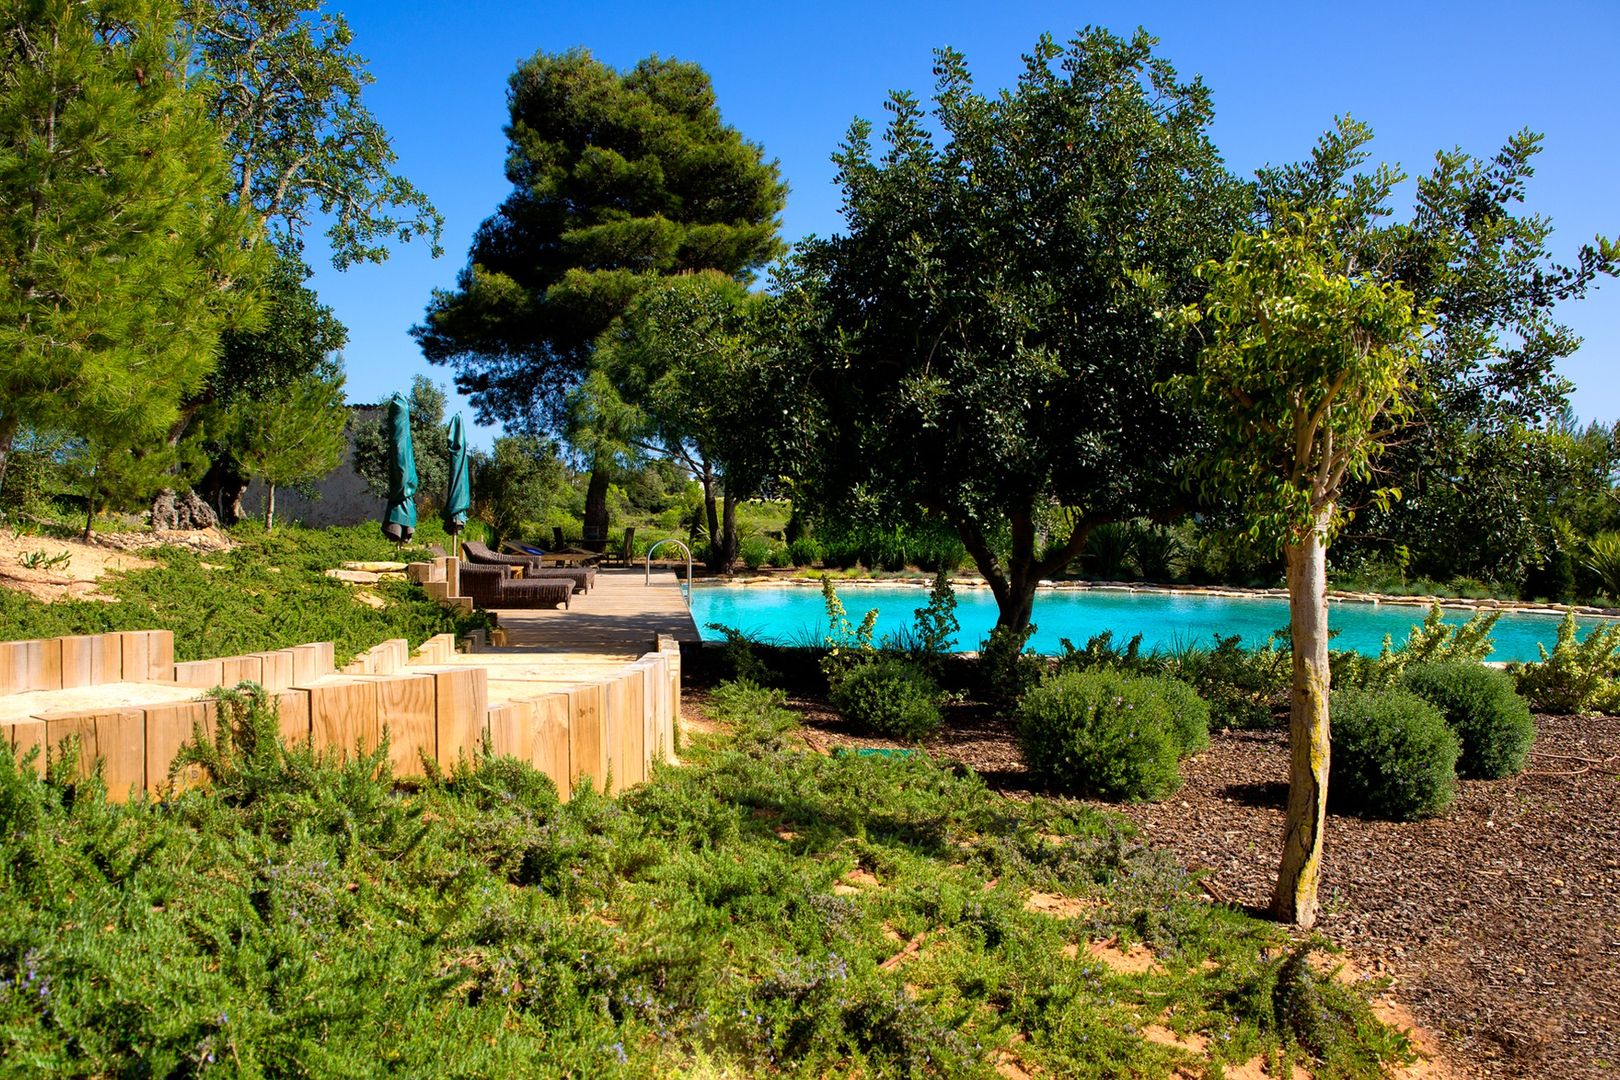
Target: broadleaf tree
(1306, 367)
(618, 178)
(983, 343)
(685, 356)
(120, 264)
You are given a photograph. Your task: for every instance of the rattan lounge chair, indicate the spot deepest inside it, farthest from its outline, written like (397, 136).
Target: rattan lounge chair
(583, 577)
(492, 586)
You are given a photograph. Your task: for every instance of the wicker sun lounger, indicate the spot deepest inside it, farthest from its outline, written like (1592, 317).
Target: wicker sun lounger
(583, 577)
(493, 586)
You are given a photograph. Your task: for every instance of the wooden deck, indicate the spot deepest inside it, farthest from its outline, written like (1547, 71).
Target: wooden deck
(621, 618)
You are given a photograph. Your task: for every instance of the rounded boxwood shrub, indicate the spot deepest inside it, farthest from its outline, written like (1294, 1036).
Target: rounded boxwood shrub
(1101, 733)
(1393, 756)
(890, 697)
(1189, 713)
(1484, 709)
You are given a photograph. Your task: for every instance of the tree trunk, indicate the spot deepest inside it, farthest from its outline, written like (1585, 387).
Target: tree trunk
(89, 515)
(596, 509)
(269, 506)
(222, 488)
(713, 559)
(728, 532)
(1014, 588)
(1294, 899)
(8, 435)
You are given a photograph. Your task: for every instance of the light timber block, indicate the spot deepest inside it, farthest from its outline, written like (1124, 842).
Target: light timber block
(437, 590)
(550, 747)
(203, 674)
(463, 708)
(312, 661)
(343, 716)
(452, 577)
(92, 660)
(292, 715)
(277, 670)
(36, 664)
(117, 736)
(168, 728)
(26, 735)
(12, 668)
(587, 749)
(510, 730)
(239, 669)
(408, 706)
(418, 572)
(148, 655)
(394, 654)
(655, 684)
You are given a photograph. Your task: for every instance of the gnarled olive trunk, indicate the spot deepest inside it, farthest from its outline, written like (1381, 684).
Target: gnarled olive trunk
(1014, 584)
(1294, 899)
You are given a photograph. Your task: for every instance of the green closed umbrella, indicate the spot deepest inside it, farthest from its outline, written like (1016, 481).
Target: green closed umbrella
(400, 520)
(458, 495)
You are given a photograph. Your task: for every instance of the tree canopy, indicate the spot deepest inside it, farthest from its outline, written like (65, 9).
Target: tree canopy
(985, 342)
(617, 179)
(119, 261)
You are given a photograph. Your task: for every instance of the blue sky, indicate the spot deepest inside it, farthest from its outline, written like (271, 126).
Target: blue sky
(792, 76)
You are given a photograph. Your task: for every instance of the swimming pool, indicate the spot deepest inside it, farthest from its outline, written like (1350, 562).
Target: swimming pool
(795, 615)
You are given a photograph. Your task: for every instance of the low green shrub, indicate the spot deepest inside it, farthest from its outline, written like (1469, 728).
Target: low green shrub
(1490, 719)
(1433, 641)
(890, 697)
(1101, 733)
(1242, 686)
(1005, 672)
(1189, 713)
(779, 557)
(804, 552)
(754, 551)
(1393, 757)
(1100, 652)
(1578, 676)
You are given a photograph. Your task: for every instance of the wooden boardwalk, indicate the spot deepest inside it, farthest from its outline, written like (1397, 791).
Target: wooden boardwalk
(620, 616)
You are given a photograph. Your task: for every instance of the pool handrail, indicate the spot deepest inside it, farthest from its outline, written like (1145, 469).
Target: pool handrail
(687, 591)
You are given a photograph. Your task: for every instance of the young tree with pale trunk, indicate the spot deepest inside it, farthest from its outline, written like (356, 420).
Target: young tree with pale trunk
(1306, 362)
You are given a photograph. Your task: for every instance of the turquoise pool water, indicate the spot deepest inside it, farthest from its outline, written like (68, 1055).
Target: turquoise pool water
(794, 614)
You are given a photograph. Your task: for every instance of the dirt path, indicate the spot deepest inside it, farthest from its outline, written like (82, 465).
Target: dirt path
(1499, 922)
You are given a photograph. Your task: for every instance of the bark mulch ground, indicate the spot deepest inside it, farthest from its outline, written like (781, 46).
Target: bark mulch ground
(1499, 921)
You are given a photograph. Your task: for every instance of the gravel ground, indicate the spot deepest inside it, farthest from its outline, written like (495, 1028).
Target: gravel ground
(1498, 921)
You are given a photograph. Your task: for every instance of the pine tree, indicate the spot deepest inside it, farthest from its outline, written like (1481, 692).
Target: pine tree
(117, 255)
(292, 433)
(617, 179)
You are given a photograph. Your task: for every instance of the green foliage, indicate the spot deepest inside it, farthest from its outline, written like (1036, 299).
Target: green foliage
(1005, 671)
(316, 151)
(1579, 676)
(754, 552)
(516, 483)
(891, 697)
(1106, 734)
(1307, 359)
(304, 916)
(946, 361)
(1491, 720)
(1099, 652)
(1394, 756)
(429, 441)
(804, 552)
(741, 660)
(934, 626)
(1243, 686)
(1189, 713)
(1603, 559)
(848, 646)
(290, 434)
(120, 257)
(1108, 551)
(268, 592)
(1433, 641)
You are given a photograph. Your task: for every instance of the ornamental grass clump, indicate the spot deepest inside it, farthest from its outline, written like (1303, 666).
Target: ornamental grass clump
(890, 697)
(1490, 719)
(1107, 734)
(1394, 756)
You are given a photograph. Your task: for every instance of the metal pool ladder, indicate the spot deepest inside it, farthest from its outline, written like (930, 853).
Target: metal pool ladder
(687, 590)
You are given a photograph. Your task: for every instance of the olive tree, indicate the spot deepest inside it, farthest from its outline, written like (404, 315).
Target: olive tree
(1306, 359)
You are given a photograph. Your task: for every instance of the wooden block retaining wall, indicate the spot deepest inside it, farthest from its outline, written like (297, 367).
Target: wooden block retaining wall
(606, 731)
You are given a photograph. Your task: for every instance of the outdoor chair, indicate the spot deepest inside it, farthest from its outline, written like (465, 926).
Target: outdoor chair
(492, 586)
(582, 577)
